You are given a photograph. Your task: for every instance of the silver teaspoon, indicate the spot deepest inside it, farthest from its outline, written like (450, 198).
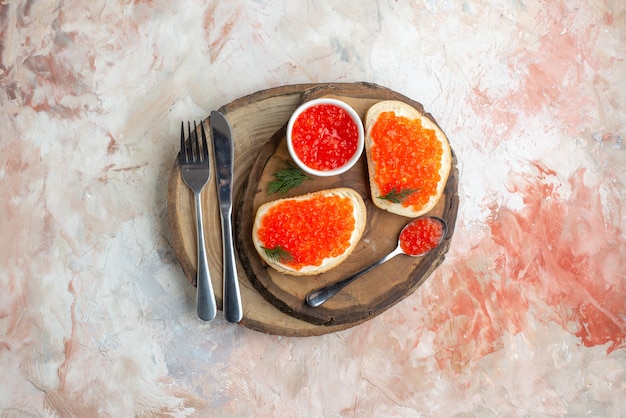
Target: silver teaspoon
(410, 242)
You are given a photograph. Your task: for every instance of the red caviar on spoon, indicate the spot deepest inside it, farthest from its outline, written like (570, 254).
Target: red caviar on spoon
(421, 236)
(416, 239)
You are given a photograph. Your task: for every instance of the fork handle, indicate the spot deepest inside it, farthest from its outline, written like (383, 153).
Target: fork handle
(205, 299)
(233, 311)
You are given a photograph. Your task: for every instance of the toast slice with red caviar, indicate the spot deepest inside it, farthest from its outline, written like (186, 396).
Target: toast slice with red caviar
(408, 158)
(311, 233)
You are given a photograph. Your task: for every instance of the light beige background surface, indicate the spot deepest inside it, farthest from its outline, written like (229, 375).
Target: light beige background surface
(526, 317)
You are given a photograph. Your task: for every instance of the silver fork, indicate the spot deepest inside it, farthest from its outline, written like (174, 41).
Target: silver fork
(195, 169)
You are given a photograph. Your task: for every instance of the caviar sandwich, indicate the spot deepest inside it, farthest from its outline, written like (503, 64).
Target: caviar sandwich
(309, 234)
(408, 158)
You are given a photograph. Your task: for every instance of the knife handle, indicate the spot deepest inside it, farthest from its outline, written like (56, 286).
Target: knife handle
(233, 311)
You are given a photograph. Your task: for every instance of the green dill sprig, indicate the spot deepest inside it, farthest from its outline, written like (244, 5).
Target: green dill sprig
(286, 179)
(278, 254)
(397, 196)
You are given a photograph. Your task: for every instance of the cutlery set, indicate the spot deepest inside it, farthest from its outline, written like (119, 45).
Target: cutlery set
(196, 170)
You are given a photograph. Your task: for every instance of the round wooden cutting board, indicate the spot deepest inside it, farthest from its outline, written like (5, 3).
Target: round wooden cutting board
(274, 303)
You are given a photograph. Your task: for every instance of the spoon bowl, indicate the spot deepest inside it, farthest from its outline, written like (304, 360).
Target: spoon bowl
(412, 241)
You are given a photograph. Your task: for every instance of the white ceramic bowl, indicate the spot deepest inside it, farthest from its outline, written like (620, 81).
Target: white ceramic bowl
(359, 145)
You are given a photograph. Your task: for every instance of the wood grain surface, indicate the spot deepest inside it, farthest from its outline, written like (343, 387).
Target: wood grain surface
(274, 303)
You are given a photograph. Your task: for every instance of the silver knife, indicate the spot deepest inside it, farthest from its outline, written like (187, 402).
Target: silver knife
(224, 158)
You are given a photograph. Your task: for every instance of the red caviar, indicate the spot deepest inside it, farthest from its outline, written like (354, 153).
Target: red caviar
(421, 235)
(324, 137)
(309, 230)
(407, 157)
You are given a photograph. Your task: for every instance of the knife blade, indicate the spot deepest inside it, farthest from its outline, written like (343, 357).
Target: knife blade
(223, 152)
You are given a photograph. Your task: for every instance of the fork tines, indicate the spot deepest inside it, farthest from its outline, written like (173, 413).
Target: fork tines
(192, 150)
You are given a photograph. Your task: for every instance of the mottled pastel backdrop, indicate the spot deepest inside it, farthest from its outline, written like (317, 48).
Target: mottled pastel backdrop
(527, 315)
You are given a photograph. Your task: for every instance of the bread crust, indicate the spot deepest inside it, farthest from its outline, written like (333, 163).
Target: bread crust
(360, 217)
(405, 110)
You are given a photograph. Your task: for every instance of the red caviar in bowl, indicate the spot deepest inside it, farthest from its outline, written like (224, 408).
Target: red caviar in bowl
(324, 137)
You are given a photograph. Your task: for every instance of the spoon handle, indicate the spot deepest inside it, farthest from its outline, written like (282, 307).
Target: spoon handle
(321, 295)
